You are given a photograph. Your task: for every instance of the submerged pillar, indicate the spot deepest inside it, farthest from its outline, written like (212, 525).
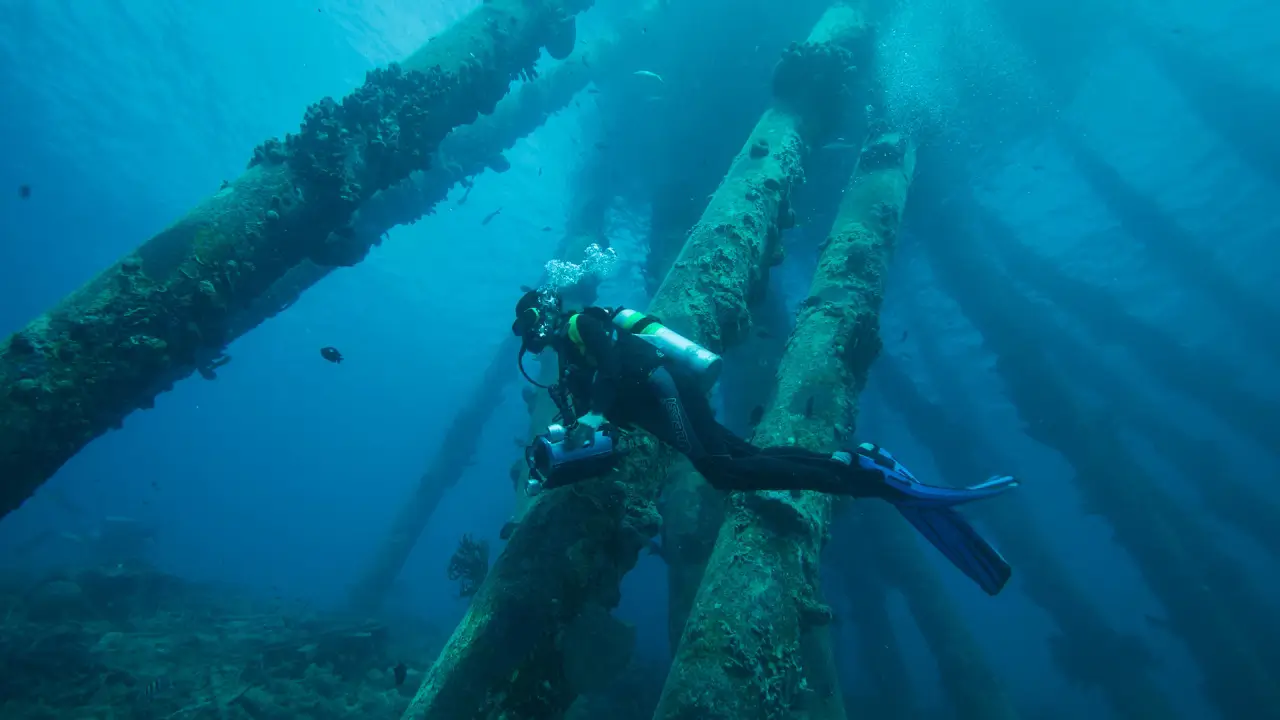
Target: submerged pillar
(113, 345)
(756, 643)
(570, 551)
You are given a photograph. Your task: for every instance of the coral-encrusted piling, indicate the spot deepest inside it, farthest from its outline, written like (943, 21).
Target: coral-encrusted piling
(113, 345)
(747, 649)
(572, 548)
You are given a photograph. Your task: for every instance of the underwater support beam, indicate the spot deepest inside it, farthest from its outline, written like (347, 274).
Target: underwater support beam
(575, 544)
(113, 345)
(748, 648)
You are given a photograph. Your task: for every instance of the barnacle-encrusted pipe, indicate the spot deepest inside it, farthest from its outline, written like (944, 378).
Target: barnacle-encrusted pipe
(113, 345)
(574, 545)
(759, 610)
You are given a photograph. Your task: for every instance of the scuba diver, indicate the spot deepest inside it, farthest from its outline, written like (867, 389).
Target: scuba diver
(622, 369)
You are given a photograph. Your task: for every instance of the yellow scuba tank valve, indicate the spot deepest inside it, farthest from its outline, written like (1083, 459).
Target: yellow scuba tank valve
(672, 346)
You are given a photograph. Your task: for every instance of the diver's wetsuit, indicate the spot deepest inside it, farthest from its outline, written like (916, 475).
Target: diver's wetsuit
(624, 381)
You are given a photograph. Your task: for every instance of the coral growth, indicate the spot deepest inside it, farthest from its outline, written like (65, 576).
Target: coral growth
(469, 565)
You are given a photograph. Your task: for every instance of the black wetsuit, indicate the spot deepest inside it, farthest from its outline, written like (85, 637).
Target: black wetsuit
(623, 380)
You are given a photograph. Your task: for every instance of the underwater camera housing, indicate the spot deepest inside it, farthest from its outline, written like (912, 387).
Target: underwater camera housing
(554, 463)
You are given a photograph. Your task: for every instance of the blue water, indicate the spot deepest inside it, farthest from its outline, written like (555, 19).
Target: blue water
(283, 474)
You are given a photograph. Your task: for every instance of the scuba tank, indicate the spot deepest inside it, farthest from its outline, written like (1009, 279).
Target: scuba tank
(671, 346)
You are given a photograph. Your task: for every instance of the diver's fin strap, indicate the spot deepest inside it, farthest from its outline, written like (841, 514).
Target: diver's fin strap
(874, 457)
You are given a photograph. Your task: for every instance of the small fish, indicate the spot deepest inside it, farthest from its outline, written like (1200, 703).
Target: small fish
(546, 228)
(757, 414)
(601, 145)
(24, 191)
(763, 333)
(489, 218)
(585, 64)
(808, 407)
(593, 91)
(904, 336)
(1037, 167)
(539, 172)
(153, 688)
(331, 354)
(401, 672)
(648, 74)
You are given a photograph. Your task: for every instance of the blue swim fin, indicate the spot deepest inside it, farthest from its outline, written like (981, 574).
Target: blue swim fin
(931, 510)
(955, 538)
